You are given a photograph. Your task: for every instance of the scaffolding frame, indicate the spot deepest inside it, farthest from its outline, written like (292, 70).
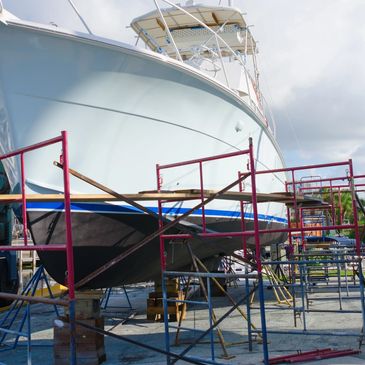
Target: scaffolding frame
(66, 247)
(292, 200)
(249, 153)
(290, 230)
(302, 260)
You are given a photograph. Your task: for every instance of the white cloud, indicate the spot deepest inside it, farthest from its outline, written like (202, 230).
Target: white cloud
(111, 18)
(311, 55)
(312, 58)
(299, 41)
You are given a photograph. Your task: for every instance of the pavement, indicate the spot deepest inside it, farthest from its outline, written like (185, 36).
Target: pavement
(234, 330)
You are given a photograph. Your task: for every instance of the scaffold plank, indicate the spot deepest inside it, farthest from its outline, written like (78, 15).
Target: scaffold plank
(178, 195)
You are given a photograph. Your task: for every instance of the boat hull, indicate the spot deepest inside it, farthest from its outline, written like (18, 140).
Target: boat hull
(98, 238)
(125, 110)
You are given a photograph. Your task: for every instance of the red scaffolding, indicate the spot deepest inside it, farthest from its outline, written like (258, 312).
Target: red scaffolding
(293, 204)
(292, 199)
(67, 247)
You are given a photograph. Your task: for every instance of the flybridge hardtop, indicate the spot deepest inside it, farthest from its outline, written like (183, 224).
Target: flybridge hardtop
(189, 28)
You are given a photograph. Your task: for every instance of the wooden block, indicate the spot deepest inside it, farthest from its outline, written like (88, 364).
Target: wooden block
(175, 309)
(89, 344)
(171, 285)
(86, 308)
(172, 317)
(159, 310)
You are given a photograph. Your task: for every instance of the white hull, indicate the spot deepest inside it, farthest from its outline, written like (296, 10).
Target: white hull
(125, 110)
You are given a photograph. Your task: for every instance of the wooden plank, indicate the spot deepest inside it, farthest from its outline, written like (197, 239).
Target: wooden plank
(17, 198)
(282, 197)
(179, 195)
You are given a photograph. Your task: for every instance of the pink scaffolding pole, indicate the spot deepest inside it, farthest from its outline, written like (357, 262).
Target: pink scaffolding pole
(68, 247)
(326, 179)
(160, 221)
(198, 162)
(24, 200)
(243, 223)
(34, 248)
(255, 210)
(301, 228)
(354, 208)
(32, 147)
(204, 222)
(252, 233)
(305, 167)
(258, 252)
(204, 159)
(315, 188)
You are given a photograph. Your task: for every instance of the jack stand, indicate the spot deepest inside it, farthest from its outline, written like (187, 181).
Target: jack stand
(104, 303)
(124, 312)
(15, 312)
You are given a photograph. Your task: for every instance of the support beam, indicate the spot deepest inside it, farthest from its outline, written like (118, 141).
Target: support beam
(152, 236)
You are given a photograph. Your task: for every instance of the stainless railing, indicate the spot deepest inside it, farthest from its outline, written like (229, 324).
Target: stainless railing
(251, 82)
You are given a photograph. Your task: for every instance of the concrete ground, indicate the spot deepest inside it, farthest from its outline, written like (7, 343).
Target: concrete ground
(234, 330)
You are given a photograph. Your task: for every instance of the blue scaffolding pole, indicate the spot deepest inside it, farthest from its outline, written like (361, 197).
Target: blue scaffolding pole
(209, 332)
(14, 316)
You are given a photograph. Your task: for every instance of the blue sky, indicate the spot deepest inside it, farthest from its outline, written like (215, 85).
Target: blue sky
(311, 62)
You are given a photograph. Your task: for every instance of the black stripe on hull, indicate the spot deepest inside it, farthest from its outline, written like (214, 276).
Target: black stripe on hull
(99, 237)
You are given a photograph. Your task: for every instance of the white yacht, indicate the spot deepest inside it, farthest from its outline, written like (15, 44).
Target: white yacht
(189, 89)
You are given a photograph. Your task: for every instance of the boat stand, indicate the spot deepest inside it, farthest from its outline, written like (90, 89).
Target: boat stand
(125, 312)
(104, 303)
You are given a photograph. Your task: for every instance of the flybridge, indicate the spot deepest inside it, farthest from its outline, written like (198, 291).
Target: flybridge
(195, 28)
(216, 40)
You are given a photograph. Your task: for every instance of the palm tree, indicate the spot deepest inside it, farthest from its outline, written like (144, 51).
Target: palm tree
(342, 202)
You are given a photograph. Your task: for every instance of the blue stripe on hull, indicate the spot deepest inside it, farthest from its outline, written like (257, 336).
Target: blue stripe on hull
(122, 209)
